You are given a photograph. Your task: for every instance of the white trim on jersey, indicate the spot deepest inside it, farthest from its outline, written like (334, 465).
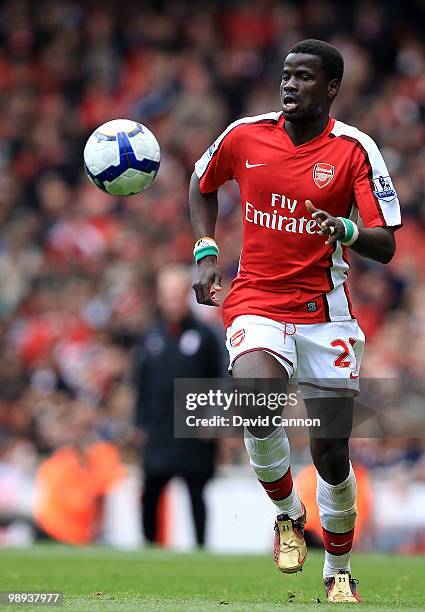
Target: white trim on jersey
(339, 308)
(384, 192)
(202, 163)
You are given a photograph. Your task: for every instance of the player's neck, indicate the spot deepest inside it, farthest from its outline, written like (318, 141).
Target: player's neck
(300, 133)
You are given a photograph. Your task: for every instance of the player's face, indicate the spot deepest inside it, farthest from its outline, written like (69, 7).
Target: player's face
(305, 92)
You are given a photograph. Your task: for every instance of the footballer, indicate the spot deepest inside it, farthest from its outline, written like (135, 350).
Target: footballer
(305, 179)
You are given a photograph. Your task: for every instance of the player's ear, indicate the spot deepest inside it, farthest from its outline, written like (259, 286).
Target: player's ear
(333, 88)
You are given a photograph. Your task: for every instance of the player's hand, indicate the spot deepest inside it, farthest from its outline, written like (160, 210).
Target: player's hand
(207, 281)
(329, 226)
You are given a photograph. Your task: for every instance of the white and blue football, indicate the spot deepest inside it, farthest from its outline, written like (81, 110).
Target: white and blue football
(122, 157)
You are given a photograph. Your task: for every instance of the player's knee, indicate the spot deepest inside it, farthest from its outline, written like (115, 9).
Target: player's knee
(331, 459)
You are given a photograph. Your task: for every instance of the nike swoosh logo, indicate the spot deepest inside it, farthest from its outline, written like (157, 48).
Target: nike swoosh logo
(353, 377)
(248, 165)
(272, 490)
(345, 543)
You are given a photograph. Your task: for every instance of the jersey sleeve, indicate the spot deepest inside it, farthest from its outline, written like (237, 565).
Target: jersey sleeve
(374, 192)
(215, 167)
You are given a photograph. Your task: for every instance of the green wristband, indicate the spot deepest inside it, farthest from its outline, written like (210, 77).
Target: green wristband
(205, 251)
(350, 228)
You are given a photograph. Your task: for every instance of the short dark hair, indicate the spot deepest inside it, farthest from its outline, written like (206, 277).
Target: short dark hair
(332, 60)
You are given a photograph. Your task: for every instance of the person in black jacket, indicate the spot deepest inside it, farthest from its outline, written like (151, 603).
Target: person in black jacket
(176, 346)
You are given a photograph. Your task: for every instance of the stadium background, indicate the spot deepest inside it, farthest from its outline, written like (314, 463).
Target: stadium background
(77, 267)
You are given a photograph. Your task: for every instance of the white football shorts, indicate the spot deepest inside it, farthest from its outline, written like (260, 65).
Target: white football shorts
(322, 358)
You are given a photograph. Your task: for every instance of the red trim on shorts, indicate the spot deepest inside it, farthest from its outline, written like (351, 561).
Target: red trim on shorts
(338, 543)
(279, 489)
(263, 348)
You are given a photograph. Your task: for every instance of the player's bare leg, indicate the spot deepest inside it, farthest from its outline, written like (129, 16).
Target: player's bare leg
(269, 453)
(336, 492)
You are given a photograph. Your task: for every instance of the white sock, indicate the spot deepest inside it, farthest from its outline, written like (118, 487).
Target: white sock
(270, 460)
(337, 509)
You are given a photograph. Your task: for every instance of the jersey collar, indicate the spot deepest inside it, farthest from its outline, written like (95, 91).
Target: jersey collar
(326, 131)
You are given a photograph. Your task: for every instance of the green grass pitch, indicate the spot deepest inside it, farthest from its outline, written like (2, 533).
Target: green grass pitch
(158, 580)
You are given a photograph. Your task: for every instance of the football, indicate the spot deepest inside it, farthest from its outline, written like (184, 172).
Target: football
(122, 157)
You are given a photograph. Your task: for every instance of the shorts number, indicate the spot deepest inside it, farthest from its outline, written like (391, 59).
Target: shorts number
(343, 360)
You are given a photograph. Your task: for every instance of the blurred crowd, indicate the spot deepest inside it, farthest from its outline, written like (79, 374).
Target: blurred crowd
(77, 267)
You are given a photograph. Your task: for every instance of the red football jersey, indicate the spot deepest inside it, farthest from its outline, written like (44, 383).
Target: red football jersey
(286, 271)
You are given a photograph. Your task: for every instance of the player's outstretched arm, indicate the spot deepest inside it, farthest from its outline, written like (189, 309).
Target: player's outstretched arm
(203, 213)
(377, 243)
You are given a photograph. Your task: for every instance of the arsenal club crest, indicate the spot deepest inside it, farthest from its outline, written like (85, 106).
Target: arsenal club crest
(323, 174)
